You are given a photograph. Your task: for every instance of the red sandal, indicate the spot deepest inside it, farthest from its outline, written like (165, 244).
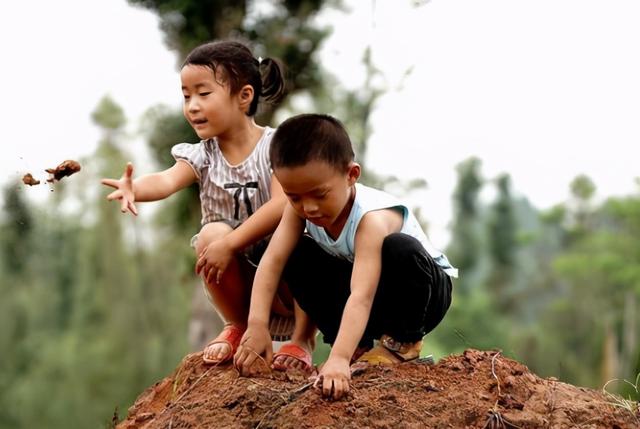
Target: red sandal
(296, 352)
(230, 335)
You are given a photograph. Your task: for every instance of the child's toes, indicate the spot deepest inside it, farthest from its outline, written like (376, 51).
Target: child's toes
(278, 361)
(288, 362)
(215, 352)
(285, 362)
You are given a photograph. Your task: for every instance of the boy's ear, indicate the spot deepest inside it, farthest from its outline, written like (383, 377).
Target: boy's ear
(246, 96)
(353, 173)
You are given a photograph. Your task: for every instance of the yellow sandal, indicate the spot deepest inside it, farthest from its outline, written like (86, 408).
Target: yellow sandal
(391, 352)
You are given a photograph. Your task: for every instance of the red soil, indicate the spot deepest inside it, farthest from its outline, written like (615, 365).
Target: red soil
(476, 389)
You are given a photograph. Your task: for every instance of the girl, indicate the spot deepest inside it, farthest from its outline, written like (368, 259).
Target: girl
(241, 201)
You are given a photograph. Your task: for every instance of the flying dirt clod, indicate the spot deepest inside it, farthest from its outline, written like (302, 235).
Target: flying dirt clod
(28, 179)
(66, 168)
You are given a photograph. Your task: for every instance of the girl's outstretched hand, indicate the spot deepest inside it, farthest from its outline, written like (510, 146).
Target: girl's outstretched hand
(124, 190)
(255, 345)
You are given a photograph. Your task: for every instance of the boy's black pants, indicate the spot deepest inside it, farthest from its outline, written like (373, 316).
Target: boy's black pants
(413, 294)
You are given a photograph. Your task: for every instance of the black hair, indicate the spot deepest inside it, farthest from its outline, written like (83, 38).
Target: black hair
(239, 67)
(311, 137)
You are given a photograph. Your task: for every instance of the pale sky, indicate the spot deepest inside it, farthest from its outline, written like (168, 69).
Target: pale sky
(543, 90)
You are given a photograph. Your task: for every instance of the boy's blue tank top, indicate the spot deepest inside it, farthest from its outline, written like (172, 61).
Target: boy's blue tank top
(369, 199)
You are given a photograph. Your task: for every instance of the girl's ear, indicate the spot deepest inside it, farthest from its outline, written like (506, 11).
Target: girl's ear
(246, 97)
(353, 173)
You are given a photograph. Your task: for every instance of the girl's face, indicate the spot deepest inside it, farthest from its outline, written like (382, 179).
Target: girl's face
(208, 106)
(319, 192)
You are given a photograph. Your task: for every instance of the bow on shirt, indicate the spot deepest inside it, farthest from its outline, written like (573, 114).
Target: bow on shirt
(245, 195)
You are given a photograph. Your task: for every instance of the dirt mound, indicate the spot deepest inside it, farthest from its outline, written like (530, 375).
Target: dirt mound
(476, 389)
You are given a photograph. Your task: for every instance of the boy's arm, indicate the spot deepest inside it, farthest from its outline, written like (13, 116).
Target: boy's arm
(372, 230)
(367, 264)
(272, 264)
(256, 340)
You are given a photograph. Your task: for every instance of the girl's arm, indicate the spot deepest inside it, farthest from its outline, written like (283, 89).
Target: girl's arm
(215, 258)
(150, 187)
(158, 186)
(262, 223)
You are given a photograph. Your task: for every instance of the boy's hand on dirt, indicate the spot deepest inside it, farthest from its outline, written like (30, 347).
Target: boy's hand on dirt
(255, 352)
(334, 378)
(124, 190)
(214, 260)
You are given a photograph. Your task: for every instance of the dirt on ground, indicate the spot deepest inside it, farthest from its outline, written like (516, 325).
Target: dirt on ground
(476, 389)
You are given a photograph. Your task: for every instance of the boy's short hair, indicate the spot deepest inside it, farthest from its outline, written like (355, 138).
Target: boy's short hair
(311, 137)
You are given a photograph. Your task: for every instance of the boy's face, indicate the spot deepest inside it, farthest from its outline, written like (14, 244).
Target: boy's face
(208, 105)
(319, 191)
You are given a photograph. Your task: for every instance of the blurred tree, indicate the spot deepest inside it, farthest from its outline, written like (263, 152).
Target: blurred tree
(582, 191)
(601, 266)
(502, 240)
(16, 254)
(86, 311)
(471, 321)
(465, 248)
(17, 229)
(587, 330)
(284, 30)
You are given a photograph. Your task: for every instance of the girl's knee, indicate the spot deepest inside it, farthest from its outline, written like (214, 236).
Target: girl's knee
(209, 233)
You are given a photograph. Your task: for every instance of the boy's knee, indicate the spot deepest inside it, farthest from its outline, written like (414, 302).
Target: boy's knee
(303, 252)
(209, 233)
(399, 246)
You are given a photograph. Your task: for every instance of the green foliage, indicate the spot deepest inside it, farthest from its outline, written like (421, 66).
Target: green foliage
(465, 247)
(163, 128)
(564, 301)
(582, 187)
(89, 316)
(95, 305)
(104, 311)
(108, 114)
(288, 33)
(503, 228)
(16, 230)
(503, 243)
(600, 267)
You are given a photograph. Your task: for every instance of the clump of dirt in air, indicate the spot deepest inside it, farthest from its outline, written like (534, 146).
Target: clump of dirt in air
(66, 168)
(476, 389)
(28, 179)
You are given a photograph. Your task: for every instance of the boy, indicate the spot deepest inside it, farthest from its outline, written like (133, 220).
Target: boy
(365, 270)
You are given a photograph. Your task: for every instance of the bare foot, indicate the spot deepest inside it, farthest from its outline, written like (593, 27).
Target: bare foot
(224, 346)
(216, 352)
